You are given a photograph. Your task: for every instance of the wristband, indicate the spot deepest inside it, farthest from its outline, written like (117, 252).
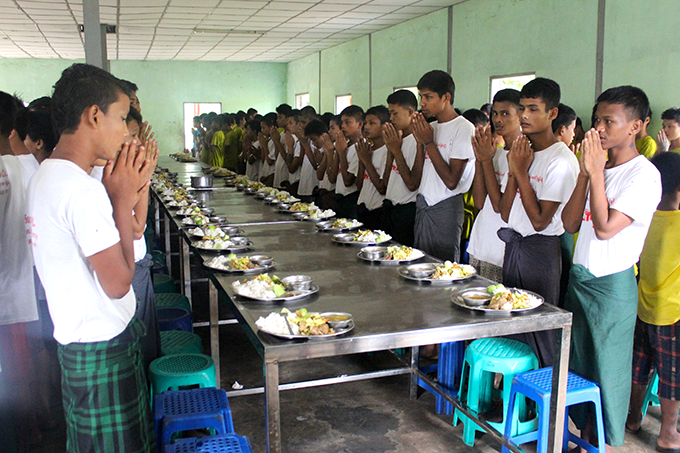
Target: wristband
(429, 143)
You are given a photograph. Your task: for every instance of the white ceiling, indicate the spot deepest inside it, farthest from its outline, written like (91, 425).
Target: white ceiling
(176, 29)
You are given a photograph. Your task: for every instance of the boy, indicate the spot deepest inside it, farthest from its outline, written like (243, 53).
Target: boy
(310, 156)
(372, 154)
(326, 196)
(611, 208)
(448, 169)
(251, 151)
(293, 150)
(541, 176)
(269, 151)
(406, 160)
(218, 144)
(346, 163)
(564, 124)
(491, 178)
(644, 143)
(669, 135)
(656, 327)
(81, 233)
(283, 112)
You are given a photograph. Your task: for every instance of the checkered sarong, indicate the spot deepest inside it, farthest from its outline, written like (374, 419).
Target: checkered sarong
(105, 395)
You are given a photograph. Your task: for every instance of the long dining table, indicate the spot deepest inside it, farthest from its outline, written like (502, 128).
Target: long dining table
(389, 311)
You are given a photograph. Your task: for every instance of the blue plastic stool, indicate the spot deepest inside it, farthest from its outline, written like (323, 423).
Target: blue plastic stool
(537, 386)
(179, 342)
(230, 443)
(173, 372)
(448, 367)
(484, 358)
(206, 408)
(174, 318)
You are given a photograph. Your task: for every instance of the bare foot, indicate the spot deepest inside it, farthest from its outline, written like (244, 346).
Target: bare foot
(672, 440)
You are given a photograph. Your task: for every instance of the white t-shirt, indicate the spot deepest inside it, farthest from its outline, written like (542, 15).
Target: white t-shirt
(253, 170)
(30, 164)
(267, 169)
(369, 195)
(308, 179)
(297, 152)
(353, 168)
(72, 219)
(634, 189)
(553, 174)
(17, 288)
(454, 141)
(485, 245)
(397, 192)
(280, 170)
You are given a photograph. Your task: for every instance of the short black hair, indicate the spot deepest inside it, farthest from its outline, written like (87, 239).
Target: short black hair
(251, 111)
(326, 118)
(546, 90)
(565, 116)
(315, 127)
(476, 117)
(438, 81)
(80, 87)
(295, 114)
(40, 127)
(10, 106)
(134, 114)
(486, 109)
(269, 119)
(354, 111)
(507, 95)
(308, 112)
(381, 112)
(128, 87)
(254, 125)
(672, 114)
(403, 98)
(337, 119)
(631, 98)
(283, 109)
(239, 116)
(668, 165)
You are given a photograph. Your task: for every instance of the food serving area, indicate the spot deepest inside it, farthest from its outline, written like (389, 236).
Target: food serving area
(389, 312)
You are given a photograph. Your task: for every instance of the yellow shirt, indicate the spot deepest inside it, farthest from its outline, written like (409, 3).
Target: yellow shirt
(646, 146)
(219, 142)
(659, 287)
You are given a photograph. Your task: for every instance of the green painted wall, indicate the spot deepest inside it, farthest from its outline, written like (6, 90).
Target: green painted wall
(303, 77)
(164, 86)
(344, 70)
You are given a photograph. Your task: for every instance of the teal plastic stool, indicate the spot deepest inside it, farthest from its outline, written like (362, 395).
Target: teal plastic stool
(181, 371)
(484, 358)
(652, 394)
(163, 283)
(180, 342)
(172, 300)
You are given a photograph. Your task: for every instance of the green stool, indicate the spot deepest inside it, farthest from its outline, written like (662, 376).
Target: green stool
(180, 342)
(163, 283)
(179, 371)
(158, 256)
(483, 359)
(172, 300)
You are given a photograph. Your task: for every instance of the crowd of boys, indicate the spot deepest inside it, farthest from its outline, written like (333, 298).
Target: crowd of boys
(74, 177)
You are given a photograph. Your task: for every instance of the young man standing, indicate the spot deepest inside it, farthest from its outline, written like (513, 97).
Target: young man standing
(448, 169)
(346, 163)
(372, 154)
(81, 233)
(611, 208)
(541, 176)
(406, 159)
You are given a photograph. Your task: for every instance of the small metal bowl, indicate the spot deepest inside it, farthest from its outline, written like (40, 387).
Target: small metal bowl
(249, 190)
(207, 211)
(261, 260)
(239, 240)
(374, 253)
(284, 207)
(298, 282)
(476, 297)
(268, 199)
(421, 270)
(240, 187)
(299, 215)
(260, 195)
(201, 182)
(230, 230)
(338, 320)
(218, 219)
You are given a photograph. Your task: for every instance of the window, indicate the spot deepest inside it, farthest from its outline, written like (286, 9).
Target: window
(192, 109)
(516, 81)
(413, 90)
(301, 100)
(341, 102)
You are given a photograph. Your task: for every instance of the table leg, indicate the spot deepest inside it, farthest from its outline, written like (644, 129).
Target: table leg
(559, 390)
(186, 269)
(168, 248)
(272, 408)
(214, 330)
(156, 216)
(413, 384)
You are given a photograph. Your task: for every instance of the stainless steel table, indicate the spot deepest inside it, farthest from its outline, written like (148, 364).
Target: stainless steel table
(389, 311)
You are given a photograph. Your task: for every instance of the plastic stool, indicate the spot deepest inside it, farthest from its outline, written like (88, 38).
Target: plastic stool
(449, 367)
(173, 318)
(206, 408)
(158, 256)
(164, 300)
(230, 443)
(651, 395)
(171, 372)
(163, 283)
(483, 358)
(178, 342)
(537, 386)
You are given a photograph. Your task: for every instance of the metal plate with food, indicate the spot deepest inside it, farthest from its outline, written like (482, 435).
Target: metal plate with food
(301, 325)
(497, 299)
(272, 289)
(215, 231)
(362, 237)
(395, 254)
(244, 264)
(339, 225)
(444, 273)
(225, 244)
